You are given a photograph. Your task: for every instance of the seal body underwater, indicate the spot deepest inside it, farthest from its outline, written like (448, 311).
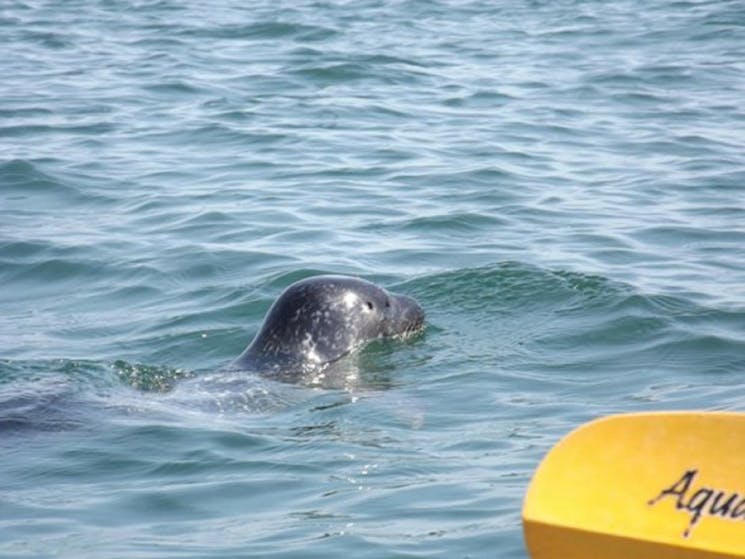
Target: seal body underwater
(318, 320)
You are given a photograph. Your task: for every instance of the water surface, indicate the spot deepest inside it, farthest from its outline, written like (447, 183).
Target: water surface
(559, 184)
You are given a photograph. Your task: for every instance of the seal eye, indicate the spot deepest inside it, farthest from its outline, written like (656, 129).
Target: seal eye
(387, 303)
(370, 305)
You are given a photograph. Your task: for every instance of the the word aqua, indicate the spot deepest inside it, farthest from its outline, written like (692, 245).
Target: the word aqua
(703, 501)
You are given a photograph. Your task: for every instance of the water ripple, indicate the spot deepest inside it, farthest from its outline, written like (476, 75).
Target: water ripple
(560, 184)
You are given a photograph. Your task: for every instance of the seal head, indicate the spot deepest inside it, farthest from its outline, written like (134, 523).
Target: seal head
(319, 320)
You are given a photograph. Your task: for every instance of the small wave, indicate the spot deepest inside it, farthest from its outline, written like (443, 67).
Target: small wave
(25, 175)
(263, 30)
(331, 69)
(24, 179)
(579, 324)
(48, 395)
(173, 87)
(452, 223)
(24, 130)
(480, 100)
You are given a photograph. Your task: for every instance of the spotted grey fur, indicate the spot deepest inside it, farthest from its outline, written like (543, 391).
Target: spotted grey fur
(318, 320)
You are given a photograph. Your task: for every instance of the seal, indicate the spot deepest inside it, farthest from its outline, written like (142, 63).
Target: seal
(318, 320)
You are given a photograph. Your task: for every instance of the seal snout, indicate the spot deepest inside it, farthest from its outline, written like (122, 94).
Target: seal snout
(408, 316)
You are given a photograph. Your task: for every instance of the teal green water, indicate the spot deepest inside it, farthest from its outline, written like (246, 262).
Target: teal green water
(561, 185)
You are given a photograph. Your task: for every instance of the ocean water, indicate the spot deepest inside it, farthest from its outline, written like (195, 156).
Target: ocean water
(561, 185)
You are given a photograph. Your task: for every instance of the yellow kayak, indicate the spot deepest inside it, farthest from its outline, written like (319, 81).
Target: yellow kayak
(642, 486)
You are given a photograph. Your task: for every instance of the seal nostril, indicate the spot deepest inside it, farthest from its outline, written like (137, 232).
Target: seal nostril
(370, 305)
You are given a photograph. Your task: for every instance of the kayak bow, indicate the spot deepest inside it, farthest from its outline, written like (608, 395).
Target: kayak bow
(642, 486)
